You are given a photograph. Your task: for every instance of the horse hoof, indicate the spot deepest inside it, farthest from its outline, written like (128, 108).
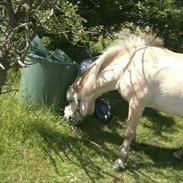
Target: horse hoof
(118, 165)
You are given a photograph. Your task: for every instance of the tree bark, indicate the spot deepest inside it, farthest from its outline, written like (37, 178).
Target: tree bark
(4, 68)
(3, 74)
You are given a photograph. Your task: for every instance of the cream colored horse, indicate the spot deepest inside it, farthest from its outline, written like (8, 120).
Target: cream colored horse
(146, 75)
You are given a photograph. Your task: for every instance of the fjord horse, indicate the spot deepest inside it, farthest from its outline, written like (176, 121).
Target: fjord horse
(145, 73)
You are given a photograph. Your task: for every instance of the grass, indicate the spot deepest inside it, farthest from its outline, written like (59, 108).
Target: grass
(40, 146)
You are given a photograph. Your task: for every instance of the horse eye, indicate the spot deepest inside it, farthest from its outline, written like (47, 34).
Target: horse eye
(67, 102)
(70, 101)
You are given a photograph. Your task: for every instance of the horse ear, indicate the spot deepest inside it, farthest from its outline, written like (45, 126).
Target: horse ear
(75, 87)
(72, 89)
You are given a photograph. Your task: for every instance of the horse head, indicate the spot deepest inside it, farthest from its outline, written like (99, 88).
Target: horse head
(80, 104)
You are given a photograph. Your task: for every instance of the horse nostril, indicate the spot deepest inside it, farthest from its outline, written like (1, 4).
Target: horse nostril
(73, 122)
(70, 119)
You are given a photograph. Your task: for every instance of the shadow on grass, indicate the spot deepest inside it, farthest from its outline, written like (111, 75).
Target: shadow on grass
(81, 150)
(161, 160)
(160, 122)
(161, 156)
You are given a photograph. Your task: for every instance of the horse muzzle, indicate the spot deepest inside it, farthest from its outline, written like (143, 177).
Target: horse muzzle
(72, 121)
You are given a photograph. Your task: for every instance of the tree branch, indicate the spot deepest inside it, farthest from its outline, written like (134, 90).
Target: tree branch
(10, 14)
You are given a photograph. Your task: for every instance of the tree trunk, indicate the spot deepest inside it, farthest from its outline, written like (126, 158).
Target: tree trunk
(3, 74)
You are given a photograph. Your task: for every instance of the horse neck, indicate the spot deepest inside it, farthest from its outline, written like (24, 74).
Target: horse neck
(107, 79)
(105, 82)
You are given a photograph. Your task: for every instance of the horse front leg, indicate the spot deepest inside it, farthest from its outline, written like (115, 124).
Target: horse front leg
(135, 112)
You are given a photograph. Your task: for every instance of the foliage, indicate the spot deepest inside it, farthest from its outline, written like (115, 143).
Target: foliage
(163, 17)
(81, 26)
(64, 21)
(21, 20)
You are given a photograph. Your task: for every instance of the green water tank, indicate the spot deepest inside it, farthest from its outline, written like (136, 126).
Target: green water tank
(47, 76)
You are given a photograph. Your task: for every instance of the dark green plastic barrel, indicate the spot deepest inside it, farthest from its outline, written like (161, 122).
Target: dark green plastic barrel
(47, 76)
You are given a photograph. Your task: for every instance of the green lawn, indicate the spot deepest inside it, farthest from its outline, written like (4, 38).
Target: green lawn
(39, 146)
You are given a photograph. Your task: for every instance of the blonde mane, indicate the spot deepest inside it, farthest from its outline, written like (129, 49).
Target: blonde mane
(122, 44)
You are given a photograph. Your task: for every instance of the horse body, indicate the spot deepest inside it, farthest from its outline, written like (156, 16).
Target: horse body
(145, 74)
(155, 78)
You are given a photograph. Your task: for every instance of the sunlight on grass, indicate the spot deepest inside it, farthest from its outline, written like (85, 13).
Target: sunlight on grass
(40, 146)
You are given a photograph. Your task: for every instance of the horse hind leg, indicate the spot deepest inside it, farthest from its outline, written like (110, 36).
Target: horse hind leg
(179, 154)
(135, 112)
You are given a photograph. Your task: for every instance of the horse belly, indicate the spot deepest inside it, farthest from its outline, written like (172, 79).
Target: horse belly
(169, 105)
(168, 94)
